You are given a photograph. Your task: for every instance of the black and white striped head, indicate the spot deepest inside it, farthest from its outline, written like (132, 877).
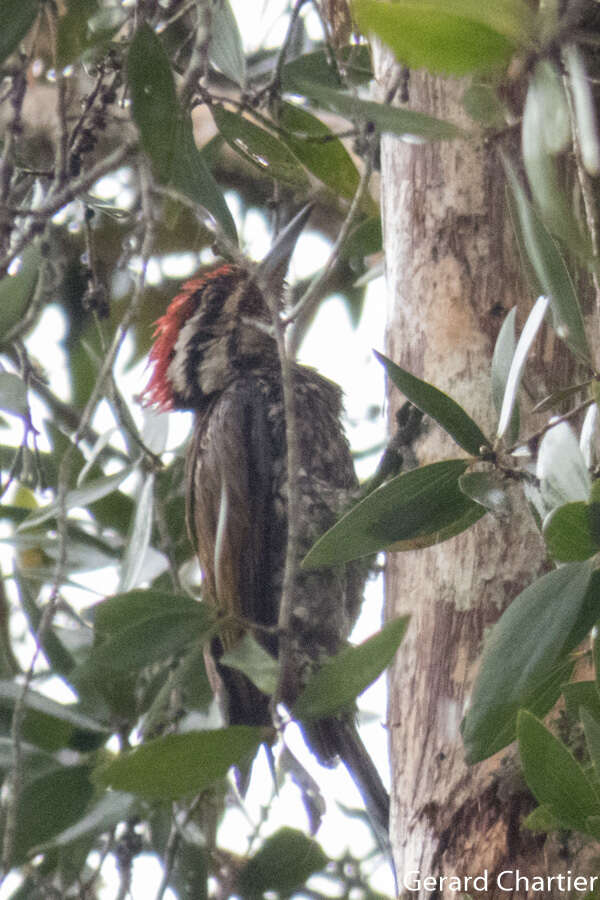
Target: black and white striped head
(214, 330)
(219, 327)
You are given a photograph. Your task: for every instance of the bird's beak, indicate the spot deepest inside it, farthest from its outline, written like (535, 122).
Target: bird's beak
(271, 271)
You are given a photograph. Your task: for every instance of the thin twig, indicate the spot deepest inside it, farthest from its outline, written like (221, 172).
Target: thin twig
(198, 65)
(305, 306)
(286, 602)
(69, 193)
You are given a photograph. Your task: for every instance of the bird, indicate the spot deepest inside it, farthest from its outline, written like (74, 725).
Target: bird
(214, 353)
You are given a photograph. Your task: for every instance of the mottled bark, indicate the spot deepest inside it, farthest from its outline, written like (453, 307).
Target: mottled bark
(453, 272)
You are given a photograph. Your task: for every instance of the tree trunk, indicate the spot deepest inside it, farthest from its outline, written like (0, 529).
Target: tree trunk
(453, 272)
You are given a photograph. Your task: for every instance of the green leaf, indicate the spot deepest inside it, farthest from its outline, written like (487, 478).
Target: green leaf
(327, 159)
(365, 239)
(550, 269)
(416, 509)
(448, 36)
(113, 614)
(48, 805)
(482, 104)
(17, 290)
(386, 118)
(526, 646)
(72, 31)
(433, 402)
(180, 765)
(556, 779)
(226, 48)
(591, 727)
(517, 365)
(60, 660)
(152, 640)
(249, 657)
(111, 809)
(82, 496)
(317, 67)
(282, 864)
(190, 174)
(154, 104)
(339, 681)
(48, 724)
(260, 148)
(541, 819)
(504, 352)
(581, 693)
(488, 489)
(13, 395)
(571, 531)
(17, 17)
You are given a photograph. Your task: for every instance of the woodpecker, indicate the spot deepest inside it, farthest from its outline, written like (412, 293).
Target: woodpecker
(214, 354)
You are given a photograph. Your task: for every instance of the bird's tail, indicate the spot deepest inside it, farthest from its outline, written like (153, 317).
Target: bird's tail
(338, 738)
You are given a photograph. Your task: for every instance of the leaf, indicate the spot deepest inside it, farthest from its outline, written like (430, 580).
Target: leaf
(181, 765)
(482, 104)
(386, 118)
(139, 537)
(515, 372)
(571, 531)
(112, 807)
(13, 395)
(528, 643)
(72, 31)
(585, 110)
(81, 496)
(488, 489)
(153, 98)
(416, 509)
(448, 36)
(17, 290)
(48, 805)
(582, 693)
(190, 174)
(249, 657)
(550, 269)
(328, 160)
(592, 737)
(48, 724)
(60, 660)
(561, 468)
(433, 402)
(260, 148)
(541, 819)
(365, 239)
(282, 864)
(113, 614)
(504, 352)
(226, 48)
(317, 67)
(339, 681)
(556, 779)
(151, 640)
(546, 132)
(17, 17)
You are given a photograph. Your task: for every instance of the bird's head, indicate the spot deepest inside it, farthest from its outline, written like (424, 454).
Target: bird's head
(218, 328)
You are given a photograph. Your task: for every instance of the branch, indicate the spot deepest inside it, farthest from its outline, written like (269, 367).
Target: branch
(306, 305)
